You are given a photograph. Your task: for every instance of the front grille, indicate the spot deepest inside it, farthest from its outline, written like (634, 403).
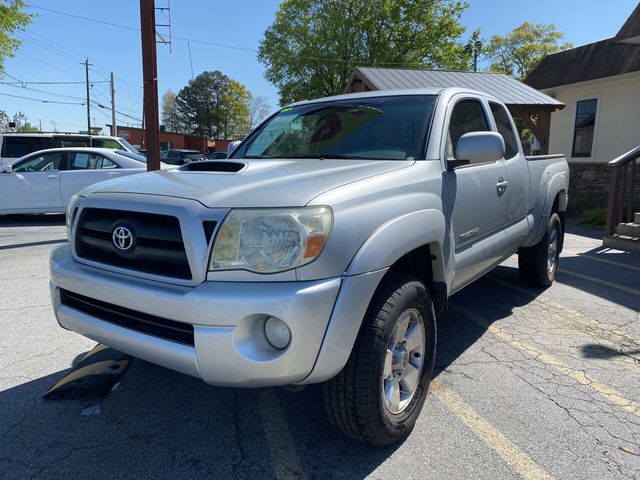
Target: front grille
(127, 318)
(158, 247)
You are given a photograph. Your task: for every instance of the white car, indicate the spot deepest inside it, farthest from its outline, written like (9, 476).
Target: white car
(44, 181)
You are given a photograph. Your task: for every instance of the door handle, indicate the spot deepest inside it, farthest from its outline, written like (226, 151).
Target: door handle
(501, 185)
(113, 174)
(52, 176)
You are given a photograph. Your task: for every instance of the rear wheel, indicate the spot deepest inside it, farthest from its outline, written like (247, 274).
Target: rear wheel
(379, 394)
(538, 264)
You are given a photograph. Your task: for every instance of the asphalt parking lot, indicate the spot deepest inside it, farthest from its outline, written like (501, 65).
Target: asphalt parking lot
(530, 383)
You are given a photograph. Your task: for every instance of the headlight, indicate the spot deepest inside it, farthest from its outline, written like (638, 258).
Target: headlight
(271, 240)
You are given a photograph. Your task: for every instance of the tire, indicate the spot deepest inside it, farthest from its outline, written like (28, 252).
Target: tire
(359, 401)
(534, 263)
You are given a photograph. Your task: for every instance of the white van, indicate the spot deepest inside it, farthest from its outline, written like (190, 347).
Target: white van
(16, 145)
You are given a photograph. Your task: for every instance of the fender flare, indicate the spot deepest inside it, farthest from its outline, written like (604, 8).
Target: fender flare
(557, 184)
(397, 237)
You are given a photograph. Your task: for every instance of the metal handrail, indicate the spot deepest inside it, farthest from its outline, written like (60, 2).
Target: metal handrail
(623, 168)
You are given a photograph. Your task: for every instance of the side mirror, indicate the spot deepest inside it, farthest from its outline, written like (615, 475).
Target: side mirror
(7, 169)
(232, 146)
(478, 147)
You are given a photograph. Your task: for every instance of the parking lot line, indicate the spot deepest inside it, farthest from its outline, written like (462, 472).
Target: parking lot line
(498, 442)
(603, 260)
(606, 283)
(282, 449)
(576, 320)
(605, 391)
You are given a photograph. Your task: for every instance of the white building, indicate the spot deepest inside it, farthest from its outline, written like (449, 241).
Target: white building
(600, 85)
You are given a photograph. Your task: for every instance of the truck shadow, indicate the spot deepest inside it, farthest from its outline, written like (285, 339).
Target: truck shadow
(162, 424)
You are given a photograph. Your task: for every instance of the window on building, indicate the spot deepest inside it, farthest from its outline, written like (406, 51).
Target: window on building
(584, 127)
(503, 122)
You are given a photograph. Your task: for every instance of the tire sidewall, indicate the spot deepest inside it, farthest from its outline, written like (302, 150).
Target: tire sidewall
(554, 222)
(418, 298)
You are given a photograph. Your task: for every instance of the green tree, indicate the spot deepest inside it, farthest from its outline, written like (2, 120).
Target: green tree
(199, 104)
(313, 45)
(234, 111)
(12, 20)
(211, 105)
(518, 52)
(22, 125)
(170, 117)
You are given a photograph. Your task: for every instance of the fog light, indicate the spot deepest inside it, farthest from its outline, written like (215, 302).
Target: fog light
(277, 333)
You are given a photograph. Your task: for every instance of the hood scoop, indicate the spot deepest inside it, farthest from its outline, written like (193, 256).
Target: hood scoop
(213, 166)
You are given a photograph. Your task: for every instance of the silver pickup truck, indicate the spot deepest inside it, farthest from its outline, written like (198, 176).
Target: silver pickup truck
(321, 251)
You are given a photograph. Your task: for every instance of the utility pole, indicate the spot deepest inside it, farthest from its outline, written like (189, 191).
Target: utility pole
(150, 78)
(114, 127)
(86, 69)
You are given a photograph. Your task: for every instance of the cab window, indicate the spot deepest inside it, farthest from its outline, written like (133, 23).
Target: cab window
(39, 163)
(467, 116)
(19, 146)
(503, 122)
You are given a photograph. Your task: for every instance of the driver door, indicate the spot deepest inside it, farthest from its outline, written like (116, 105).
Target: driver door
(477, 203)
(34, 184)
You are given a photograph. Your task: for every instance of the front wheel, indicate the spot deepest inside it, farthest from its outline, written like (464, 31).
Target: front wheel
(538, 264)
(379, 394)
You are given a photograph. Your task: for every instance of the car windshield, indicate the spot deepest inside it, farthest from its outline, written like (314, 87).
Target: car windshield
(379, 128)
(133, 156)
(126, 144)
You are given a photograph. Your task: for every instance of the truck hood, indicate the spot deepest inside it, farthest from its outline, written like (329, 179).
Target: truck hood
(262, 183)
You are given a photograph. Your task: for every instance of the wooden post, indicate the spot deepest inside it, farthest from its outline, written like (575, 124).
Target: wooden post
(612, 204)
(150, 79)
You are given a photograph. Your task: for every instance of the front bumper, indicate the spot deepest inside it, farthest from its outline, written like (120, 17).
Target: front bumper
(229, 345)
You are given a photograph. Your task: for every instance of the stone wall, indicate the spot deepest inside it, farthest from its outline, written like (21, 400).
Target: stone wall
(589, 186)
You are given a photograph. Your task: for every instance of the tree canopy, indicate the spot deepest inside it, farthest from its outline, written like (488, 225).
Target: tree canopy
(12, 19)
(518, 52)
(211, 105)
(313, 45)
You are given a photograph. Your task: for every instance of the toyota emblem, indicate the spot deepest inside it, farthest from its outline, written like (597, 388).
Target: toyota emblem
(123, 239)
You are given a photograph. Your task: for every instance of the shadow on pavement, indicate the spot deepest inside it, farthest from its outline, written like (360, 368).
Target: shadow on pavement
(162, 424)
(34, 220)
(595, 350)
(616, 283)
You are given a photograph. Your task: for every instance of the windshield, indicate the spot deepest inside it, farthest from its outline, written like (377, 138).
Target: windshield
(379, 128)
(133, 156)
(127, 145)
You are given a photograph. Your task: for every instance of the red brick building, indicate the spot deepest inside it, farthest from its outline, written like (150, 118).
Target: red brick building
(174, 140)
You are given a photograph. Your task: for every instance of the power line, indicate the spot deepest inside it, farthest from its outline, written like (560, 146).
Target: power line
(40, 100)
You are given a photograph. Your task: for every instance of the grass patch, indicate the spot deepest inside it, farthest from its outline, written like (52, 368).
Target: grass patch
(592, 217)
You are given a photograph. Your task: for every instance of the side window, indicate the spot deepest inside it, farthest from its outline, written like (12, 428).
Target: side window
(19, 146)
(584, 127)
(105, 143)
(467, 116)
(505, 129)
(89, 161)
(106, 163)
(39, 163)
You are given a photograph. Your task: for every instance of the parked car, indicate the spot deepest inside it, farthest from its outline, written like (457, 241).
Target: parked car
(321, 251)
(17, 145)
(180, 157)
(217, 156)
(43, 182)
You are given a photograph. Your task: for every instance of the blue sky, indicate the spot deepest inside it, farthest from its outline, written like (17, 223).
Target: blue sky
(54, 45)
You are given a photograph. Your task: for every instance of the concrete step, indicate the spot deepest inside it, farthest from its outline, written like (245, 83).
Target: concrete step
(622, 242)
(629, 229)
(636, 217)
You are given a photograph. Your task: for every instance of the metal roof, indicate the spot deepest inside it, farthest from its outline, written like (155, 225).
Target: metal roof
(503, 87)
(602, 59)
